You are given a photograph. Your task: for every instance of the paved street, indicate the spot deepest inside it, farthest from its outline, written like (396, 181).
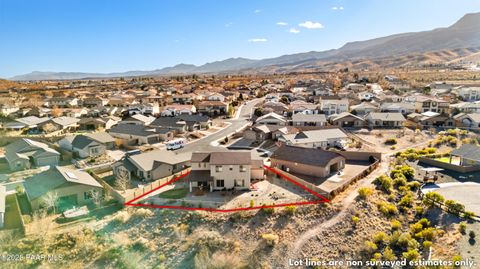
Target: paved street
(467, 193)
(204, 144)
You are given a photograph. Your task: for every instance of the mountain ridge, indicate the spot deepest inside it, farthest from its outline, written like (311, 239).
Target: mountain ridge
(463, 34)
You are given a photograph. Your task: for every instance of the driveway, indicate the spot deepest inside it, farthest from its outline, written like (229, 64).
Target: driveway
(467, 193)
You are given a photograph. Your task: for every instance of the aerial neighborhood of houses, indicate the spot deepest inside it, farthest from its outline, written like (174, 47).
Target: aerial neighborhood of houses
(81, 142)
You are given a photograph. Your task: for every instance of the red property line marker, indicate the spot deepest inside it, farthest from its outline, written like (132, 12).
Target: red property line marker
(209, 209)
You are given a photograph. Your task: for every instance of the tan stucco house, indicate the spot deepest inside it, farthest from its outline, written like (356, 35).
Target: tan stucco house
(224, 170)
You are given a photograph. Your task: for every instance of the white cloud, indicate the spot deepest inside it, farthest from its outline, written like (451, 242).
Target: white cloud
(228, 24)
(311, 25)
(281, 23)
(294, 31)
(257, 11)
(337, 8)
(255, 40)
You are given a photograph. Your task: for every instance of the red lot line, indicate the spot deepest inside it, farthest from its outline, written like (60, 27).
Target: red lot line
(320, 200)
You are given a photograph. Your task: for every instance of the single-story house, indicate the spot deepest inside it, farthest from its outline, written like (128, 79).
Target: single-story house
(385, 119)
(130, 134)
(470, 120)
(153, 165)
(469, 155)
(307, 161)
(72, 187)
(97, 123)
(137, 119)
(25, 153)
(176, 109)
(271, 119)
(59, 124)
(83, 146)
(324, 138)
(347, 120)
(309, 119)
(30, 122)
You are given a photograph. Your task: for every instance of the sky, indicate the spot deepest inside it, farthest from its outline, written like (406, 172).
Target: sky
(120, 35)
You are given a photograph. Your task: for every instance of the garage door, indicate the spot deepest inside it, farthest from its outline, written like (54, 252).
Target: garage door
(52, 160)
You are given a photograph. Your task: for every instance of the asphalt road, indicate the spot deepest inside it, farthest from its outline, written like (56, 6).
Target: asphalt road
(239, 122)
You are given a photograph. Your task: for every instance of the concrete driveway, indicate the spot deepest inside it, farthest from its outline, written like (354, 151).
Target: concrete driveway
(467, 193)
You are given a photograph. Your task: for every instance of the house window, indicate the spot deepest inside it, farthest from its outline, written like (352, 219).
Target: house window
(239, 182)
(199, 165)
(243, 168)
(218, 168)
(231, 168)
(87, 195)
(220, 183)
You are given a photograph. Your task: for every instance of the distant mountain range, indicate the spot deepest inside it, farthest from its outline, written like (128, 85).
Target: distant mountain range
(443, 44)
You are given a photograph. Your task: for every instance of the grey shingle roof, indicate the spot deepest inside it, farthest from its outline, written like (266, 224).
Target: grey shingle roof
(387, 116)
(309, 156)
(230, 157)
(468, 151)
(81, 141)
(309, 118)
(53, 178)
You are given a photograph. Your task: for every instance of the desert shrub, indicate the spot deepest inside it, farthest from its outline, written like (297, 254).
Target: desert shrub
(427, 234)
(424, 222)
(407, 171)
(370, 246)
(270, 239)
(454, 207)
(419, 210)
(411, 255)
(355, 220)
(290, 209)
(380, 238)
(462, 227)
(427, 244)
(219, 260)
(414, 185)
(399, 180)
(387, 208)
(268, 210)
(406, 201)
(142, 212)
(384, 182)
(365, 192)
(391, 141)
(472, 235)
(468, 214)
(433, 198)
(416, 228)
(396, 225)
(388, 254)
(122, 217)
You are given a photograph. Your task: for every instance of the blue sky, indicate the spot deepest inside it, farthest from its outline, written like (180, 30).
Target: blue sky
(120, 35)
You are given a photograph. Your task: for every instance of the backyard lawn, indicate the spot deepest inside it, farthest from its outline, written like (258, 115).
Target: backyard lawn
(174, 193)
(443, 159)
(12, 214)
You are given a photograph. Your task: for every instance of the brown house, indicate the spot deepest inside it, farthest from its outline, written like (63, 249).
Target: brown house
(307, 161)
